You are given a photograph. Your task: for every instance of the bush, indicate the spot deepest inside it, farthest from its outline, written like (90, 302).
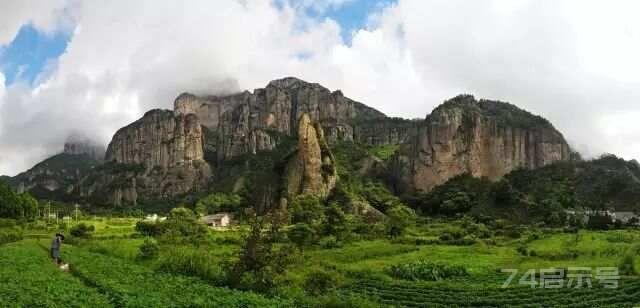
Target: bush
(321, 281)
(183, 224)
(4, 223)
(522, 250)
(149, 228)
(10, 235)
(301, 235)
(426, 270)
(148, 250)
(190, 261)
(217, 202)
(330, 242)
(399, 218)
(82, 230)
(627, 265)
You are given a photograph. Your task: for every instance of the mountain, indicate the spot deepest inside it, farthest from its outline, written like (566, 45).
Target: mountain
(483, 138)
(55, 177)
(280, 138)
(157, 156)
(79, 144)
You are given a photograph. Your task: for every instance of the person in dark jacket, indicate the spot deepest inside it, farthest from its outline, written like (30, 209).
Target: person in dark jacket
(55, 247)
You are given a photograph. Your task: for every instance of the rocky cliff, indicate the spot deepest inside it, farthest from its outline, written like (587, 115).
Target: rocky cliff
(249, 122)
(208, 140)
(483, 138)
(157, 156)
(311, 169)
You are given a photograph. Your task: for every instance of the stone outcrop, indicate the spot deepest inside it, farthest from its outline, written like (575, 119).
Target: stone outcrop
(311, 169)
(482, 138)
(160, 155)
(251, 122)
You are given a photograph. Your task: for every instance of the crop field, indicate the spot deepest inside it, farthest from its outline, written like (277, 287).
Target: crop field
(29, 279)
(417, 295)
(106, 271)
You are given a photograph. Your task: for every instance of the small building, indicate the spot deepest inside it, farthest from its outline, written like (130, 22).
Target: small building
(154, 218)
(626, 217)
(217, 220)
(622, 216)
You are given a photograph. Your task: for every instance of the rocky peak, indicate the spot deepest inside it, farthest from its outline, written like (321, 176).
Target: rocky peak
(246, 122)
(159, 155)
(312, 169)
(483, 138)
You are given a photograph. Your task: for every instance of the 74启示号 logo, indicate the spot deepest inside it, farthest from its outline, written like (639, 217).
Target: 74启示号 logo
(572, 277)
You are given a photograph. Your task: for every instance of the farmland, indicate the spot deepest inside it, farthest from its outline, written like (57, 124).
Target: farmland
(106, 270)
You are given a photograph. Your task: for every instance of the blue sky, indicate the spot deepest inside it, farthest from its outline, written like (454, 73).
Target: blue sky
(352, 14)
(27, 55)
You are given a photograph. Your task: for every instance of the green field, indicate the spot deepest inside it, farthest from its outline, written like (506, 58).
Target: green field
(106, 270)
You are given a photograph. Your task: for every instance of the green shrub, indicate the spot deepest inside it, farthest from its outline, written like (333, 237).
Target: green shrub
(10, 235)
(627, 265)
(522, 250)
(321, 281)
(399, 217)
(330, 242)
(149, 228)
(5, 223)
(426, 270)
(82, 230)
(148, 250)
(301, 235)
(190, 261)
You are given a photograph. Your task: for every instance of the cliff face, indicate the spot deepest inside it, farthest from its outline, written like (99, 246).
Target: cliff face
(485, 139)
(311, 170)
(246, 122)
(170, 153)
(159, 155)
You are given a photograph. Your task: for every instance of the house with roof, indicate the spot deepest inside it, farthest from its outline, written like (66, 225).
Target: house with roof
(217, 220)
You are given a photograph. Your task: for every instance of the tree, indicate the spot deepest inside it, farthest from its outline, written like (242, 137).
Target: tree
(301, 235)
(82, 230)
(398, 219)
(336, 222)
(218, 202)
(258, 263)
(182, 222)
(16, 206)
(307, 209)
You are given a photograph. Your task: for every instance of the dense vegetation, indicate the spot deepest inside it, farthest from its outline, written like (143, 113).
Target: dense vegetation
(503, 113)
(16, 206)
(541, 195)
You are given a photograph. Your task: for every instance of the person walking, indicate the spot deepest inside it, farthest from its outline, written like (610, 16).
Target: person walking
(55, 248)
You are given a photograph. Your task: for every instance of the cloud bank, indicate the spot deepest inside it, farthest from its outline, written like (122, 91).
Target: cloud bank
(574, 62)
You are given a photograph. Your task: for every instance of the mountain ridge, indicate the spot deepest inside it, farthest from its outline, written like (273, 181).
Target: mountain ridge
(168, 153)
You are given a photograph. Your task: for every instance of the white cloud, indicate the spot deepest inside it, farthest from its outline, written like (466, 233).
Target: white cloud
(45, 15)
(571, 61)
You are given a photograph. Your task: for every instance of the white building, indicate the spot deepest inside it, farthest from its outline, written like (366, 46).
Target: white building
(154, 218)
(217, 220)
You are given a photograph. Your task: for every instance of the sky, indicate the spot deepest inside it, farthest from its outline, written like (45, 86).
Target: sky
(91, 67)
